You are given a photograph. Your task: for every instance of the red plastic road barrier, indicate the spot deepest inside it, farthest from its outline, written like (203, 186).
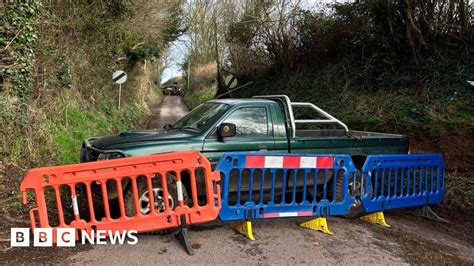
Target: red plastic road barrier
(125, 186)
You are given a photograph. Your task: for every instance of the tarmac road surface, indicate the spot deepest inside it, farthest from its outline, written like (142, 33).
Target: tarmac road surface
(409, 241)
(168, 111)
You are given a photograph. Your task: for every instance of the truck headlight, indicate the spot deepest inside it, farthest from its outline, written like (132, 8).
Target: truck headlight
(103, 156)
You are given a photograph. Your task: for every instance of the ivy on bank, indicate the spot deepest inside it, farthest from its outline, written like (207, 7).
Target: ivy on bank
(18, 37)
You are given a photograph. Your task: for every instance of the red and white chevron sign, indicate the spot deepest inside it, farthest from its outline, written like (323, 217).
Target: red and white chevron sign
(260, 161)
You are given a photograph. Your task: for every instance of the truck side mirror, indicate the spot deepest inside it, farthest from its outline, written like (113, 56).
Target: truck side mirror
(226, 130)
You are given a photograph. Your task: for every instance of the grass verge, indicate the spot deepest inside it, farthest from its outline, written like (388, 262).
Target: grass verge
(195, 97)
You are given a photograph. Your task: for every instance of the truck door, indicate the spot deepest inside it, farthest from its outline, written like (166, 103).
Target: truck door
(254, 133)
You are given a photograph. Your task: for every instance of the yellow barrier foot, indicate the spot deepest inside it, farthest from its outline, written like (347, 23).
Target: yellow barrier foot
(318, 224)
(245, 228)
(375, 218)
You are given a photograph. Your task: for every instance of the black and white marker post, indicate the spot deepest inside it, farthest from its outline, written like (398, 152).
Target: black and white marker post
(119, 77)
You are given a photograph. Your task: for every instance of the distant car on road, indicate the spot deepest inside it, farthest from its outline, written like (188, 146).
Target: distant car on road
(172, 90)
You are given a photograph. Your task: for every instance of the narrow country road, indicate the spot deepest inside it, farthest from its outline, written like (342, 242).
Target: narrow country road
(280, 241)
(168, 111)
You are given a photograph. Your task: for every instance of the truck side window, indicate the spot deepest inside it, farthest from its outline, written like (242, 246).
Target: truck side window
(250, 121)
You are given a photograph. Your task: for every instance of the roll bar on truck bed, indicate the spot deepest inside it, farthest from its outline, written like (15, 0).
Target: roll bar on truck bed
(289, 106)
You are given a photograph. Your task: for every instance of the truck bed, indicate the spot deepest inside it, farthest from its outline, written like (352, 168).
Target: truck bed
(339, 133)
(358, 143)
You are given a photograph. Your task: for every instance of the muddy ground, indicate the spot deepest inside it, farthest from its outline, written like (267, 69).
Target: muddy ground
(410, 240)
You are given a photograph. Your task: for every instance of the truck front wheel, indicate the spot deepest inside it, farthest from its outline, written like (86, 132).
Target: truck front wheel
(354, 189)
(158, 198)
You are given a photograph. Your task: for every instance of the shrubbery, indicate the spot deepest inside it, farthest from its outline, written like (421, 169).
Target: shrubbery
(56, 66)
(398, 66)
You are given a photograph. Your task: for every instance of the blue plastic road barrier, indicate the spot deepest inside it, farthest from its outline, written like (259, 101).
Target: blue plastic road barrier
(269, 185)
(400, 181)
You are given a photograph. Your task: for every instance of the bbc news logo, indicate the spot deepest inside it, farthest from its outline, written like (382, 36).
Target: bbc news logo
(66, 237)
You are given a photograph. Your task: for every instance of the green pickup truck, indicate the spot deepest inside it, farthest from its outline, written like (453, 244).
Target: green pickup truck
(262, 123)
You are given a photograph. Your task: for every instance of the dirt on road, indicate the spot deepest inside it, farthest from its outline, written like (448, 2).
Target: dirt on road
(410, 240)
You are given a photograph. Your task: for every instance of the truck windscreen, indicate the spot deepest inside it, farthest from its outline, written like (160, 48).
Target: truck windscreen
(201, 117)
